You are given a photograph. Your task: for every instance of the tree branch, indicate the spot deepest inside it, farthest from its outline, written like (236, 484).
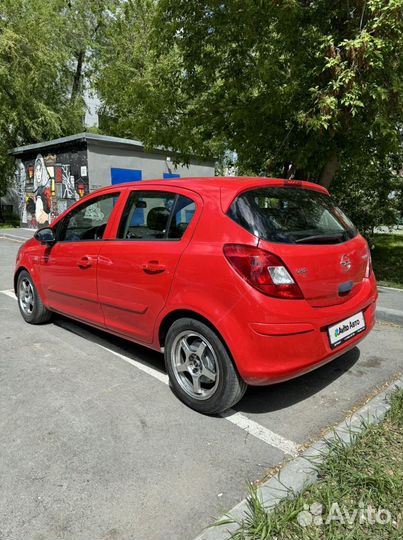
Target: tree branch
(328, 171)
(77, 76)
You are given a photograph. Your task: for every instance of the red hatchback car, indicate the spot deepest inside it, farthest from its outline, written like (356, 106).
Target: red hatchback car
(237, 280)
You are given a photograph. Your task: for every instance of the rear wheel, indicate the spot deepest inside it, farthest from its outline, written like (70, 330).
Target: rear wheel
(29, 301)
(200, 370)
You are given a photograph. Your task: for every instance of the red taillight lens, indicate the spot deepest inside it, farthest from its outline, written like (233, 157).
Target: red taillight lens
(368, 269)
(263, 270)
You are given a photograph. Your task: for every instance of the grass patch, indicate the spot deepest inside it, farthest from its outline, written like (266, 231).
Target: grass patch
(364, 475)
(9, 223)
(387, 259)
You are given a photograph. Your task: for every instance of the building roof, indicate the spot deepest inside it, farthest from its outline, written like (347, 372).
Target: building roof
(94, 138)
(78, 137)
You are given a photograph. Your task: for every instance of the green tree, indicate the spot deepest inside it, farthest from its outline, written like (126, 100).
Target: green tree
(369, 189)
(35, 74)
(133, 78)
(309, 88)
(85, 23)
(46, 64)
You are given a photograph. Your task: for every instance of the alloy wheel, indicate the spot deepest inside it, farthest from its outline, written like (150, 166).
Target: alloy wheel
(195, 365)
(26, 296)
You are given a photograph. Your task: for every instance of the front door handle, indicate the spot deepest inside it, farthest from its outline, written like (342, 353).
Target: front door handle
(153, 267)
(85, 262)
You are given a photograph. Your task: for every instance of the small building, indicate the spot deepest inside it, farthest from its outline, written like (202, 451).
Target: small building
(52, 175)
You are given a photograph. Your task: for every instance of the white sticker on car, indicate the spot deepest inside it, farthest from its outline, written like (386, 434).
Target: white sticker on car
(346, 329)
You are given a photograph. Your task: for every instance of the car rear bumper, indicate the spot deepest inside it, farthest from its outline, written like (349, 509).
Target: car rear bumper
(278, 351)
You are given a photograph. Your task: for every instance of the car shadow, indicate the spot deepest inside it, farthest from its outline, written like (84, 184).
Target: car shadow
(134, 351)
(264, 399)
(258, 399)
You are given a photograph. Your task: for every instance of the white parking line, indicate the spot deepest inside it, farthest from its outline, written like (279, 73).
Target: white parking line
(260, 432)
(10, 293)
(236, 418)
(240, 420)
(163, 377)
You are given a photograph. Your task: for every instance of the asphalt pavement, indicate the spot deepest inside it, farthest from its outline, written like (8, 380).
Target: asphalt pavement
(390, 305)
(95, 445)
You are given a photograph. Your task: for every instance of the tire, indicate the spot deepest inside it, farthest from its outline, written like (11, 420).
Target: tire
(29, 302)
(200, 370)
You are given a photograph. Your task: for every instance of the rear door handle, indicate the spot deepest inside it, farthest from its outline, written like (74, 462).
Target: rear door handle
(153, 267)
(85, 262)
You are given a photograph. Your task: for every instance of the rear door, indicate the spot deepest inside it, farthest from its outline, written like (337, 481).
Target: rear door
(136, 268)
(316, 241)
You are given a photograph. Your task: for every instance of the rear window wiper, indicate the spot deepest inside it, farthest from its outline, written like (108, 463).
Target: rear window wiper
(321, 238)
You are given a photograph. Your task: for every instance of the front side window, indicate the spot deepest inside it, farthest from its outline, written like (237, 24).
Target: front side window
(89, 220)
(291, 215)
(155, 215)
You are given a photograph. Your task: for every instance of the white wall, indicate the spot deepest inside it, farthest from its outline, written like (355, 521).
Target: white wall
(102, 157)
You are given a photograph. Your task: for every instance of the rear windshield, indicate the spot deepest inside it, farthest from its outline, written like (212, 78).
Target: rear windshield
(291, 215)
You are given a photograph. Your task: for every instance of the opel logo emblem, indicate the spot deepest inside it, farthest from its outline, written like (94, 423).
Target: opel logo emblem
(345, 263)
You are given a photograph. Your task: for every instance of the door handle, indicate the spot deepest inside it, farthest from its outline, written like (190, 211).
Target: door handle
(85, 262)
(153, 267)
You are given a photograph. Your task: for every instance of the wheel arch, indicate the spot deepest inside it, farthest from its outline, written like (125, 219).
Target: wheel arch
(176, 314)
(230, 391)
(16, 275)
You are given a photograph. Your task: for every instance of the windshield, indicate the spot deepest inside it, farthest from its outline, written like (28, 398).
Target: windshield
(291, 215)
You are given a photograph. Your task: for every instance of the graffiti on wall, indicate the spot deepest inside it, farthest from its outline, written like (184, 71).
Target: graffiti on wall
(20, 188)
(46, 188)
(68, 191)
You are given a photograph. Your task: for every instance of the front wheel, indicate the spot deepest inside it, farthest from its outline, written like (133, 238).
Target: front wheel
(200, 370)
(29, 301)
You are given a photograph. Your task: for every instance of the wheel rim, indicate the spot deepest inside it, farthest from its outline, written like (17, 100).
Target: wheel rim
(26, 296)
(195, 365)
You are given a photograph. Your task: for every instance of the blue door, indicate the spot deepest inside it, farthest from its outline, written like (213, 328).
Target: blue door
(120, 176)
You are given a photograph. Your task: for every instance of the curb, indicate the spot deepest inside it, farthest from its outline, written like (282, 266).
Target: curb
(394, 316)
(300, 473)
(390, 288)
(14, 237)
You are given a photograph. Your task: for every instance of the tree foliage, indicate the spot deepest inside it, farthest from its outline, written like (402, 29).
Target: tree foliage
(309, 88)
(45, 57)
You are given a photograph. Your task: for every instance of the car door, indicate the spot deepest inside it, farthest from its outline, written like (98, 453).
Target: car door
(69, 269)
(136, 269)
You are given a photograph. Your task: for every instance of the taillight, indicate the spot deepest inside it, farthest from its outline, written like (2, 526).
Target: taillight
(368, 269)
(263, 270)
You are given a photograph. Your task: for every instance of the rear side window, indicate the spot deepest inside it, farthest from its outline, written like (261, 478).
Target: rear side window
(291, 215)
(155, 215)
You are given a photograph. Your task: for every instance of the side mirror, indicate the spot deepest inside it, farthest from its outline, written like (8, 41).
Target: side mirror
(45, 236)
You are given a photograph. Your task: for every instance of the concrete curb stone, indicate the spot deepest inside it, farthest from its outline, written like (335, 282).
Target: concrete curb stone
(394, 316)
(300, 473)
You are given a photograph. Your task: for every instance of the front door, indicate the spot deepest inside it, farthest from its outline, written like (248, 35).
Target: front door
(135, 270)
(69, 268)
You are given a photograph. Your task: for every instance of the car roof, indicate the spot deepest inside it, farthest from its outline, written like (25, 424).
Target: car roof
(232, 184)
(228, 186)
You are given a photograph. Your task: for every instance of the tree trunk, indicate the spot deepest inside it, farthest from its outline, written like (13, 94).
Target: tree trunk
(77, 76)
(328, 171)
